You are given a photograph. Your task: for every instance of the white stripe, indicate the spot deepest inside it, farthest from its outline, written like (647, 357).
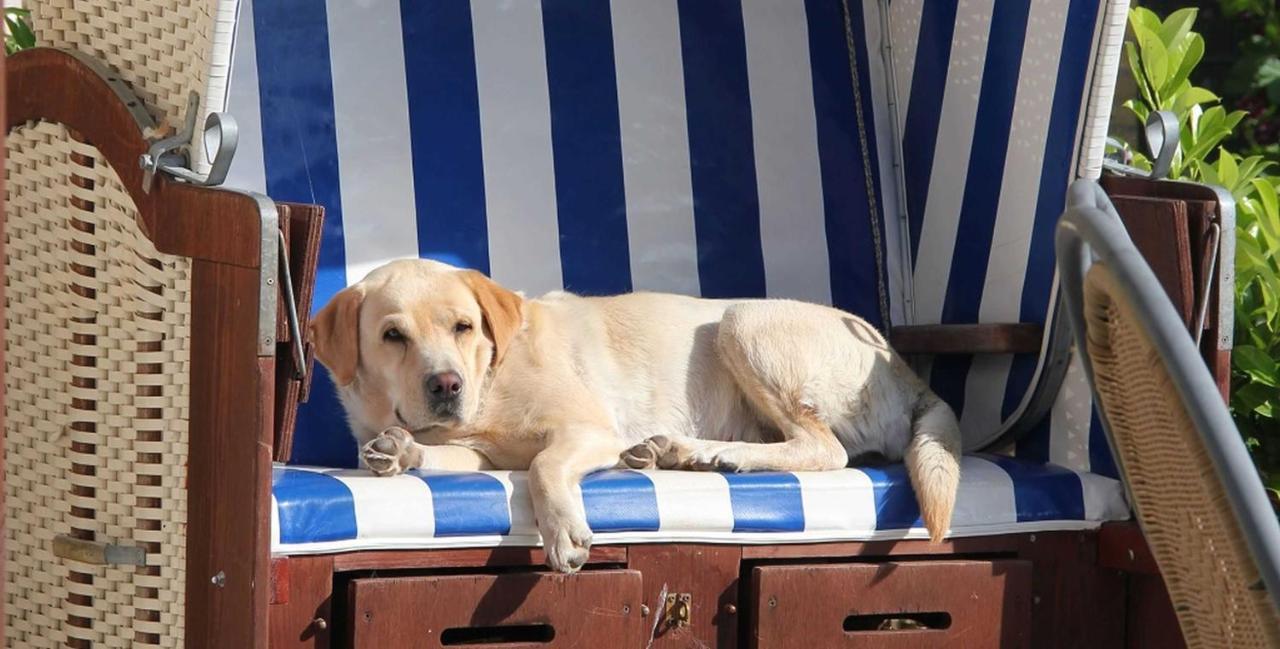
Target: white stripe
(275, 523)
(985, 496)
(515, 138)
(1104, 66)
(951, 157)
(399, 506)
(784, 129)
(904, 27)
(888, 151)
(837, 500)
(655, 146)
(692, 500)
(1104, 498)
(519, 504)
(1015, 214)
(1070, 419)
(371, 126)
(248, 167)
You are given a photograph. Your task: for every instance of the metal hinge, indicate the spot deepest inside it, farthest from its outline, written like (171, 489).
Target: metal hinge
(172, 154)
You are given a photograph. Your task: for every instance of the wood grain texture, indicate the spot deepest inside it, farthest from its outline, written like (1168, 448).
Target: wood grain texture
(463, 558)
(588, 609)
(997, 338)
(197, 222)
(1160, 231)
(305, 620)
(1151, 621)
(988, 603)
(1121, 546)
(229, 473)
(709, 574)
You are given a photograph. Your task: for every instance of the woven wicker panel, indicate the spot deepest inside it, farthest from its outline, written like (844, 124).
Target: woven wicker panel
(96, 405)
(160, 47)
(1178, 498)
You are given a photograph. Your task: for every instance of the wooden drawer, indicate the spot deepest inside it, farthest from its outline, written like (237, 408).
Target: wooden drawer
(589, 609)
(959, 604)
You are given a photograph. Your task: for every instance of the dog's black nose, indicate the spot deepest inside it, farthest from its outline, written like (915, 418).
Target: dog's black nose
(445, 385)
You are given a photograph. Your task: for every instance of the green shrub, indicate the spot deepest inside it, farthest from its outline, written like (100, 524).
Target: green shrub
(1162, 58)
(18, 34)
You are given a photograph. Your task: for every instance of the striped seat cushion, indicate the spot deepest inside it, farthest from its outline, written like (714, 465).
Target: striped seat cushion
(328, 510)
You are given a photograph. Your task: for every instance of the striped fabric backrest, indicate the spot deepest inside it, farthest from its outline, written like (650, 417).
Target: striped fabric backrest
(708, 147)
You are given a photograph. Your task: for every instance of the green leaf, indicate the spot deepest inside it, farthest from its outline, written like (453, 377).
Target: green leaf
(1139, 77)
(1228, 172)
(1269, 216)
(1187, 58)
(1193, 95)
(1255, 363)
(1155, 63)
(1141, 17)
(1177, 25)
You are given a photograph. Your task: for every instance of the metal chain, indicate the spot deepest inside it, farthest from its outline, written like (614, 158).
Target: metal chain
(874, 215)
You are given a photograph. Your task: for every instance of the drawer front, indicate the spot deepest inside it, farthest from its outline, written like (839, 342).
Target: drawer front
(545, 610)
(893, 605)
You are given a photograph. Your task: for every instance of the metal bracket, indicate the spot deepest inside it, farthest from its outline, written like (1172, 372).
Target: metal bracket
(1161, 134)
(97, 553)
(677, 609)
(221, 135)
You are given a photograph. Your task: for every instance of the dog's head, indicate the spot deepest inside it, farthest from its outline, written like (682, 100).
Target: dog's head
(411, 344)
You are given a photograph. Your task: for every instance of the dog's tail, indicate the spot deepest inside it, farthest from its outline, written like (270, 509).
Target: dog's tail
(933, 462)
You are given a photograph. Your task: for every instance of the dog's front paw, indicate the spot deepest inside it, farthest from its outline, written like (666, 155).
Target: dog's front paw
(391, 453)
(659, 451)
(567, 545)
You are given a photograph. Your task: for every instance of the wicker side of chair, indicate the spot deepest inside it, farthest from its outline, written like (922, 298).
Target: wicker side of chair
(97, 391)
(1188, 520)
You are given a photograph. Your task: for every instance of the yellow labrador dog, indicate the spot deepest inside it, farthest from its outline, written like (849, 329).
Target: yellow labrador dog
(441, 368)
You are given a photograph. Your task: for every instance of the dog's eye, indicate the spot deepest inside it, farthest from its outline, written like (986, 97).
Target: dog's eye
(462, 327)
(393, 335)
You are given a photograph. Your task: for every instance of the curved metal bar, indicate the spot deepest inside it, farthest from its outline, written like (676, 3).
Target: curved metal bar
(1091, 229)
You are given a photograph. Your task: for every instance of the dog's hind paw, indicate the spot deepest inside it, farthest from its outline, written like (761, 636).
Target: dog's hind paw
(391, 453)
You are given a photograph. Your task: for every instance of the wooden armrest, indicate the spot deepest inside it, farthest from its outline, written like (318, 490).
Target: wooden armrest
(999, 338)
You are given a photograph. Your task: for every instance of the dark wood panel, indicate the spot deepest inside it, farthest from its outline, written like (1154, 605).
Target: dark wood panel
(588, 609)
(708, 574)
(997, 338)
(305, 618)
(1075, 602)
(958, 603)
(1151, 620)
(462, 558)
(1121, 546)
(1007, 543)
(181, 219)
(229, 473)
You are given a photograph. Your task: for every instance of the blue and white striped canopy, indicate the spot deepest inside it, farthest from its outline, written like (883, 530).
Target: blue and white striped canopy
(707, 147)
(331, 510)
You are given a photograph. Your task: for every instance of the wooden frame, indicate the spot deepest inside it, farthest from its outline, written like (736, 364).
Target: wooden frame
(232, 387)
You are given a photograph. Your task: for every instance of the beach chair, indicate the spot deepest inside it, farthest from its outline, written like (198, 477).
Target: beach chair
(905, 161)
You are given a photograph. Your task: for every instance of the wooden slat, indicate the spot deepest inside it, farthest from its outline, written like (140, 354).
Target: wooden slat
(229, 474)
(709, 574)
(1121, 546)
(1001, 338)
(3, 281)
(462, 558)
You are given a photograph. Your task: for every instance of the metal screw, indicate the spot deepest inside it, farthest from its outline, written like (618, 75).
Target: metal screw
(271, 282)
(644, 610)
(773, 602)
(730, 609)
(1036, 600)
(267, 340)
(319, 624)
(1033, 538)
(219, 580)
(1131, 555)
(626, 609)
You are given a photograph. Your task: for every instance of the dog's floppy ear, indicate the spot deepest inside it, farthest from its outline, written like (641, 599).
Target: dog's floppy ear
(336, 332)
(502, 309)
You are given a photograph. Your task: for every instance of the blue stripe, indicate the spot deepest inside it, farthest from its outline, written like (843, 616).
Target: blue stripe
(1042, 492)
(765, 502)
(467, 503)
(313, 507)
(896, 506)
(1055, 175)
(726, 205)
(587, 146)
(620, 501)
(985, 175)
(444, 132)
(1101, 461)
(924, 110)
(300, 153)
(850, 246)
